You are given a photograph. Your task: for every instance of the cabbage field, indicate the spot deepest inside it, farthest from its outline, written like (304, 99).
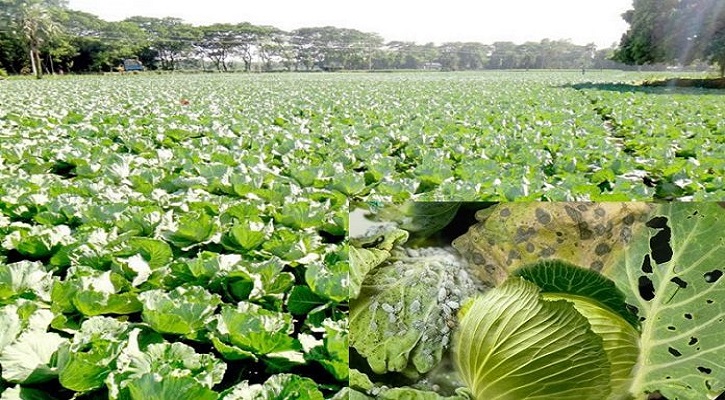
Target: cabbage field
(539, 301)
(185, 236)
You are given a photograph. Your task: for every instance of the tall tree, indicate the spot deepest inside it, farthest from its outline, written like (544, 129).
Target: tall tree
(217, 43)
(674, 31)
(169, 39)
(273, 44)
(32, 20)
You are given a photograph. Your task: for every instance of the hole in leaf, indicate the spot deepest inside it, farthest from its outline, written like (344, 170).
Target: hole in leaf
(713, 276)
(657, 223)
(671, 328)
(634, 310)
(693, 341)
(646, 288)
(660, 242)
(704, 370)
(710, 301)
(657, 395)
(674, 352)
(688, 316)
(647, 264)
(682, 284)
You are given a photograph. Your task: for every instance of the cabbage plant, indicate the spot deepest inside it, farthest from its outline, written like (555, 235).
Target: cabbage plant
(565, 301)
(517, 341)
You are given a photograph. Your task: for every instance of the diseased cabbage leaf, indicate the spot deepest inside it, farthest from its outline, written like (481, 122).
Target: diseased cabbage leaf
(403, 318)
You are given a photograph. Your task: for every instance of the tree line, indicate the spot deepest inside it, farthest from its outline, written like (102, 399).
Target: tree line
(42, 36)
(45, 36)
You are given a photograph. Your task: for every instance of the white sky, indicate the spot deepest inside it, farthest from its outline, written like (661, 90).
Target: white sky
(486, 21)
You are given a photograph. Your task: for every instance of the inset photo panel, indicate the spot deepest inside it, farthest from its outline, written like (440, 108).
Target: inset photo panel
(567, 300)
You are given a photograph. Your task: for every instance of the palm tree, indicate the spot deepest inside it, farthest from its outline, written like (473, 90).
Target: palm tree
(37, 27)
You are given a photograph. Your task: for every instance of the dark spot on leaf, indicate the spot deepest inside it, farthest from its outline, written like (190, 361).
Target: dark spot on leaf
(671, 328)
(626, 234)
(713, 276)
(490, 268)
(629, 219)
(674, 351)
(542, 216)
(693, 341)
(584, 232)
(530, 247)
(688, 316)
(602, 249)
(601, 229)
(524, 234)
(547, 252)
(597, 266)
(514, 255)
(599, 212)
(582, 207)
(575, 215)
(709, 301)
(478, 258)
(704, 370)
(505, 212)
(682, 284)
(559, 234)
(647, 264)
(646, 288)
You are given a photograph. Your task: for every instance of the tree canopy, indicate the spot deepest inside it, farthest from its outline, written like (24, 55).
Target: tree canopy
(674, 31)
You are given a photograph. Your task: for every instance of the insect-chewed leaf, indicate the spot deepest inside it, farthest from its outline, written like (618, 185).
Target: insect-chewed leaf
(672, 274)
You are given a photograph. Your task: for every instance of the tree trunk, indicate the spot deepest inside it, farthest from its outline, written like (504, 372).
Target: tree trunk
(38, 64)
(35, 63)
(32, 62)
